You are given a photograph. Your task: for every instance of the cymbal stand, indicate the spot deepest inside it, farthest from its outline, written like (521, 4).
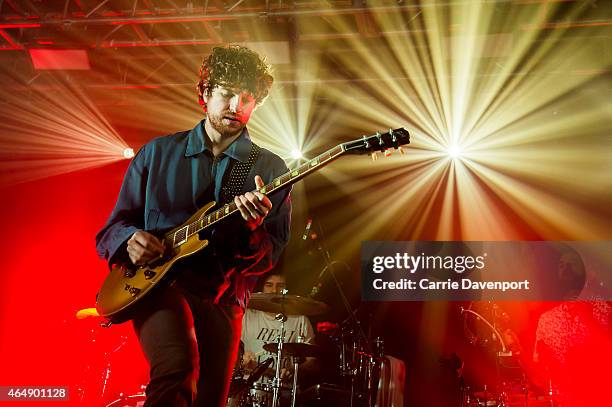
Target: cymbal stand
(107, 369)
(296, 366)
(499, 354)
(276, 383)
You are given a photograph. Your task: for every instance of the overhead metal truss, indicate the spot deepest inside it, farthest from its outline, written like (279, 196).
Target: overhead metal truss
(119, 32)
(98, 24)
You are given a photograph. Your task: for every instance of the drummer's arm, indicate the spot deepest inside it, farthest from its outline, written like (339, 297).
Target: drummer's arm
(309, 364)
(249, 362)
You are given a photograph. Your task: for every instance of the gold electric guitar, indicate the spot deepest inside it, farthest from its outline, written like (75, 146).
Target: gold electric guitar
(127, 284)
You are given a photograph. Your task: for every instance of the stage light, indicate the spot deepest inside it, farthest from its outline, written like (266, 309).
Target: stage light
(505, 131)
(296, 154)
(455, 151)
(128, 153)
(285, 123)
(54, 132)
(59, 59)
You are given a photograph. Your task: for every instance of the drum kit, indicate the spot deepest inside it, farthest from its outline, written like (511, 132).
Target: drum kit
(483, 324)
(357, 367)
(354, 382)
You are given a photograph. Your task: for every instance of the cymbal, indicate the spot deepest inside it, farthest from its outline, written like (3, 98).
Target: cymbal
(287, 304)
(296, 349)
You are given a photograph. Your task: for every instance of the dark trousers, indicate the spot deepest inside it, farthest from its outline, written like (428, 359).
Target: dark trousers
(191, 346)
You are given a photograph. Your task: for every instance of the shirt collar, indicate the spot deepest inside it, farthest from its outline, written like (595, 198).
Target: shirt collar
(239, 150)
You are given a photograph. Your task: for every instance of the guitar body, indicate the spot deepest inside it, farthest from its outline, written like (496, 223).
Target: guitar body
(127, 285)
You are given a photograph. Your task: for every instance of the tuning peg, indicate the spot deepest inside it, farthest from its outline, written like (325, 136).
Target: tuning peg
(393, 136)
(374, 156)
(388, 152)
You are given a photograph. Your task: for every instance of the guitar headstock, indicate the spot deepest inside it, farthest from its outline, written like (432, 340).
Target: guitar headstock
(382, 142)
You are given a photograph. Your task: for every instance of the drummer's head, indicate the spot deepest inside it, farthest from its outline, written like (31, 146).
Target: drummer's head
(274, 284)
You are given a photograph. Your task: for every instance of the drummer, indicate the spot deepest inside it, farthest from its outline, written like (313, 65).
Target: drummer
(259, 328)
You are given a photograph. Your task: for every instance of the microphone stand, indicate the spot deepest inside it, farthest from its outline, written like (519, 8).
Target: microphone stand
(352, 318)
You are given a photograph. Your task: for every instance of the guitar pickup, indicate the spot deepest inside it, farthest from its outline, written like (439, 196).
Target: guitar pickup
(149, 274)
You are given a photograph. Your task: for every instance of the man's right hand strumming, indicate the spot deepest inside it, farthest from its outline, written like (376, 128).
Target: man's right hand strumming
(143, 247)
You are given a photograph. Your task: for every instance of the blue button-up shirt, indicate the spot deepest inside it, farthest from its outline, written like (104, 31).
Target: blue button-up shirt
(172, 177)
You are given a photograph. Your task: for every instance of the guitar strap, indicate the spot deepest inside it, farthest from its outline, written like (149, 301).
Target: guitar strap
(238, 175)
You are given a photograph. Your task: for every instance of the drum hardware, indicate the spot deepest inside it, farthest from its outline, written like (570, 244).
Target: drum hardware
(105, 372)
(286, 304)
(282, 318)
(107, 369)
(495, 331)
(512, 387)
(135, 400)
(245, 384)
(359, 368)
(259, 395)
(296, 365)
(331, 394)
(296, 349)
(379, 347)
(510, 395)
(361, 346)
(492, 338)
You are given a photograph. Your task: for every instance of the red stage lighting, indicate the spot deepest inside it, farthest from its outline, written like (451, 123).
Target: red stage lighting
(61, 59)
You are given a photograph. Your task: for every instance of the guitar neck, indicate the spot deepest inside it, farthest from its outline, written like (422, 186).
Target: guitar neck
(179, 236)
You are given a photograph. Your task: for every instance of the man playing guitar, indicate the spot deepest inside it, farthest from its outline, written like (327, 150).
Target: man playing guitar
(189, 330)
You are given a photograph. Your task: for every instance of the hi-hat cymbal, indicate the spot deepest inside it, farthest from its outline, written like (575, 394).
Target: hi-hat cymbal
(296, 349)
(287, 304)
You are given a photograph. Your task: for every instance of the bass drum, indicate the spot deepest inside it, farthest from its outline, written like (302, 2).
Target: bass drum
(136, 400)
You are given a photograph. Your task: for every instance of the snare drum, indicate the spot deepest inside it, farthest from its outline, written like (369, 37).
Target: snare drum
(261, 395)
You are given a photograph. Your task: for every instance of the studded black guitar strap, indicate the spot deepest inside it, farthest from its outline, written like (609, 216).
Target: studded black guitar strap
(238, 175)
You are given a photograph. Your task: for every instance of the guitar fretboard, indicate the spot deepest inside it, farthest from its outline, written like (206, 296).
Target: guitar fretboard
(180, 236)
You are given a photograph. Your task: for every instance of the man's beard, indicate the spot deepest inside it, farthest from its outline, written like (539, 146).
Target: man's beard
(226, 130)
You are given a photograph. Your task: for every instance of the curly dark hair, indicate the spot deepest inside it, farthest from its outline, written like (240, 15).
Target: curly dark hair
(235, 66)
